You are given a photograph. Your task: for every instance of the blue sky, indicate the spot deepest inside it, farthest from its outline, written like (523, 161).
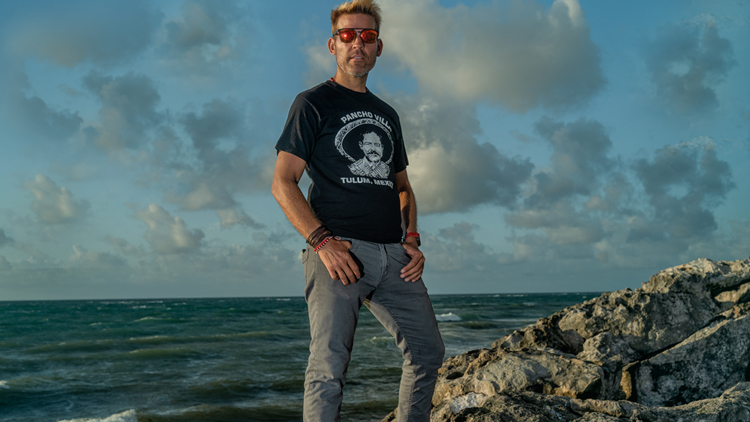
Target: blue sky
(569, 145)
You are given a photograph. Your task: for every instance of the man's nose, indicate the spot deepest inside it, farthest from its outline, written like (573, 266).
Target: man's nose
(358, 42)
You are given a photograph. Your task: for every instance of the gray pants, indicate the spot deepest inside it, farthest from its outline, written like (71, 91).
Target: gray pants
(402, 307)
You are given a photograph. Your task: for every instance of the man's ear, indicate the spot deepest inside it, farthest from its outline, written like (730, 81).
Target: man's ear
(380, 47)
(332, 46)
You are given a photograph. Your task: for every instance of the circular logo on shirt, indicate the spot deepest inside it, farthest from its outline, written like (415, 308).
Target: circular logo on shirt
(368, 144)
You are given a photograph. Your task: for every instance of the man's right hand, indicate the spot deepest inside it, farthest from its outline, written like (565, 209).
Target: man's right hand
(339, 262)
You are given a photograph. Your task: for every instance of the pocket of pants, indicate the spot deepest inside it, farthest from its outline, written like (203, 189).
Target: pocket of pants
(355, 243)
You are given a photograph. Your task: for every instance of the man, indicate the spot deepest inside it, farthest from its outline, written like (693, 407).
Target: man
(371, 164)
(354, 225)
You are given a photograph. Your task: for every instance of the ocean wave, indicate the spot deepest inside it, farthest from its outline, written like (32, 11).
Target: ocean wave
(126, 416)
(4, 384)
(515, 320)
(450, 316)
(160, 353)
(148, 318)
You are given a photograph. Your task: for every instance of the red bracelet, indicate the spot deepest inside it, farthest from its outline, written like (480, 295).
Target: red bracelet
(323, 243)
(411, 234)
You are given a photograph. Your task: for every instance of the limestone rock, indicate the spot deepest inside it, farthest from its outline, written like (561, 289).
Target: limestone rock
(703, 366)
(676, 349)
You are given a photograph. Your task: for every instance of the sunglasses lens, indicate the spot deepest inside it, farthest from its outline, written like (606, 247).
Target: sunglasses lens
(347, 35)
(369, 36)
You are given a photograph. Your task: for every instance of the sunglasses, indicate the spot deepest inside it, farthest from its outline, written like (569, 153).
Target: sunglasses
(348, 35)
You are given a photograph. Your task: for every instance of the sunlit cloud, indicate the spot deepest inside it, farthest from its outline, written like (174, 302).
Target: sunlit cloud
(516, 54)
(449, 168)
(167, 234)
(55, 205)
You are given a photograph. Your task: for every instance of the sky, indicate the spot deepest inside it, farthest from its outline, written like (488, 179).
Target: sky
(554, 146)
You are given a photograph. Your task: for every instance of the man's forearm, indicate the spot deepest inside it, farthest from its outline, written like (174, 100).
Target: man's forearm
(293, 203)
(408, 210)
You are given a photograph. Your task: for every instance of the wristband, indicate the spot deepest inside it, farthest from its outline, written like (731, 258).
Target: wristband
(413, 234)
(318, 235)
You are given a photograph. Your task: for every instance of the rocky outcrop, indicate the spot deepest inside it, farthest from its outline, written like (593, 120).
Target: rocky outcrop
(676, 349)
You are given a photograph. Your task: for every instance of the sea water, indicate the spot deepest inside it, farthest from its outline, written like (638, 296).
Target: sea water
(218, 360)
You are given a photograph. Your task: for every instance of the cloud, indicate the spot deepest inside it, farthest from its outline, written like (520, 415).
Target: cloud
(128, 111)
(454, 250)
(223, 163)
(4, 239)
(123, 246)
(517, 54)
(233, 217)
(30, 113)
(686, 64)
(449, 169)
(588, 205)
(167, 234)
(36, 115)
(682, 183)
(55, 205)
(4, 264)
(563, 209)
(83, 258)
(86, 31)
(579, 156)
(206, 34)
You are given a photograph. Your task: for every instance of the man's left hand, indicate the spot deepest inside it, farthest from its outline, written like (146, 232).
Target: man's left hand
(413, 270)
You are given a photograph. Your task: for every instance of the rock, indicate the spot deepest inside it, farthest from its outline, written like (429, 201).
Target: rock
(648, 322)
(702, 366)
(493, 371)
(676, 349)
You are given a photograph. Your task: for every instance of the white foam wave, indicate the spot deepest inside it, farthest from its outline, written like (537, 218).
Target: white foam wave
(4, 384)
(148, 318)
(126, 416)
(450, 316)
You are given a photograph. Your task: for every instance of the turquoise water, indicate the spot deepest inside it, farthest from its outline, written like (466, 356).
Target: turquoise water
(213, 360)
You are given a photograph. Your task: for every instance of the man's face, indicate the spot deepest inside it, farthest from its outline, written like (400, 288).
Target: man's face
(372, 147)
(355, 58)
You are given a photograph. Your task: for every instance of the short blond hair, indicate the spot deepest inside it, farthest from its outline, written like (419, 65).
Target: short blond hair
(365, 7)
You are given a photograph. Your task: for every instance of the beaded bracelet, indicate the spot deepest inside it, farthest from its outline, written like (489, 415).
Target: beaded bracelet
(324, 242)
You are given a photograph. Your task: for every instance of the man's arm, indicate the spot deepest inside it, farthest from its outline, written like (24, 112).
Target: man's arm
(285, 188)
(413, 270)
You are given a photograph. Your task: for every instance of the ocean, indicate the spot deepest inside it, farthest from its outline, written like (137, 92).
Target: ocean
(218, 360)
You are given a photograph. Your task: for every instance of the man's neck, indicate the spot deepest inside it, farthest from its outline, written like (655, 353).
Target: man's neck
(351, 82)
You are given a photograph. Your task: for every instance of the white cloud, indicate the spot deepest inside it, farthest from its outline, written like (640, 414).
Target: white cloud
(53, 204)
(232, 217)
(449, 169)
(167, 234)
(517, 54)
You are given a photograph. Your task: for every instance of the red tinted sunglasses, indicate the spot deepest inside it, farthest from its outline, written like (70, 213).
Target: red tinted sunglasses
(348, 35)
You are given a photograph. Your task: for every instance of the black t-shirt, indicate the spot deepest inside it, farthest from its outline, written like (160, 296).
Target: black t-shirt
(353, 147)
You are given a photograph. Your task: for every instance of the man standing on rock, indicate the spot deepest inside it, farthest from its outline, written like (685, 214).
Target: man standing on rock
(361, 228)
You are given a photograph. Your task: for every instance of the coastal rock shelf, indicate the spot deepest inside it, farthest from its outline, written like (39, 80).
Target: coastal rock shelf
(675, 349)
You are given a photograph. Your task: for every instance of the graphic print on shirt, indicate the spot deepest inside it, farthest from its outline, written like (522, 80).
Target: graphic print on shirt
(367, 137)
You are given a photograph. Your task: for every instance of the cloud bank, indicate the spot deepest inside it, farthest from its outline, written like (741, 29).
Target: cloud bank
(516, 54)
